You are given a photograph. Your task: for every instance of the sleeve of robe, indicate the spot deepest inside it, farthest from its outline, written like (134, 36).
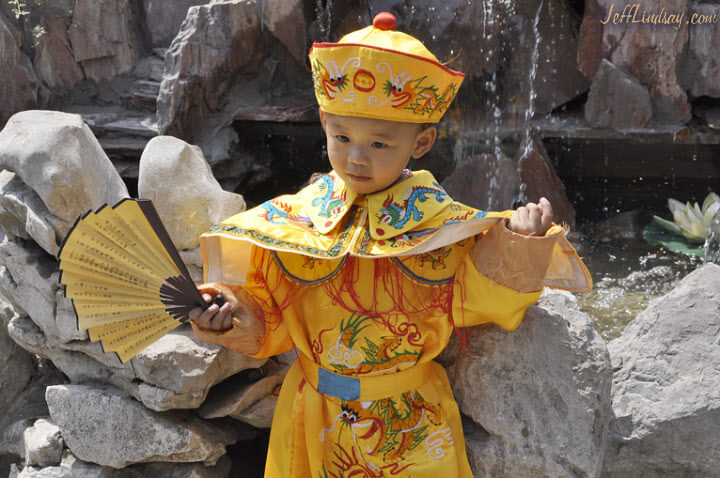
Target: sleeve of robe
(501, 277)
(263, 279)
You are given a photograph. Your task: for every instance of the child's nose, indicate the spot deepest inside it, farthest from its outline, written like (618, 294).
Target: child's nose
(357, 156)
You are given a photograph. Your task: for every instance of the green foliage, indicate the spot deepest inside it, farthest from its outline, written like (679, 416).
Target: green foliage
(656, 234)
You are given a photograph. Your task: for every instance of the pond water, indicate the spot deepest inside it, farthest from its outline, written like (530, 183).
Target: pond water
(628, 273)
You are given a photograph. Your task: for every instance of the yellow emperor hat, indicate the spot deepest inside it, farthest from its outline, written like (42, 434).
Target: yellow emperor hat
(379, 73)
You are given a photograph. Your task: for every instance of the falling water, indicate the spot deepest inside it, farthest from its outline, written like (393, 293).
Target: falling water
(532, 95)
(712, 242)
(323, 12)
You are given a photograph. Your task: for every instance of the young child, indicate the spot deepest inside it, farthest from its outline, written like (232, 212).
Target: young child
(367, 271)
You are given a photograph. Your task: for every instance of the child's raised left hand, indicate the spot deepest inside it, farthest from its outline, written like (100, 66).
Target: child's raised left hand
(532, 219)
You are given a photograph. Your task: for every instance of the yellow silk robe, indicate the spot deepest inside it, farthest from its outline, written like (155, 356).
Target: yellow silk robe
(362, 303)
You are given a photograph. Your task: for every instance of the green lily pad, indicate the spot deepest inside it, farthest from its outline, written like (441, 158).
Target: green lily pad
(656, 235)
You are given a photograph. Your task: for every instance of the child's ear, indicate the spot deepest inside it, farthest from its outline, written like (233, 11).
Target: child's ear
(323, 119)
(424, 141)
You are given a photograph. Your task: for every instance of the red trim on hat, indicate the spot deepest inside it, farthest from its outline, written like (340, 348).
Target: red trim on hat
(418, 57)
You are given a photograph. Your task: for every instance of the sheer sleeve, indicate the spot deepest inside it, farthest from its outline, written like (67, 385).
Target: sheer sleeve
(501, 276)
(479, 300)
(261, 281)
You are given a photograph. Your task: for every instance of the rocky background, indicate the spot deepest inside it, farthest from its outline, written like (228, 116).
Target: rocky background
(196, 103)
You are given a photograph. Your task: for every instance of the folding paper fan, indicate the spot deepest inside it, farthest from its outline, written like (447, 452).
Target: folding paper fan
(126, 280)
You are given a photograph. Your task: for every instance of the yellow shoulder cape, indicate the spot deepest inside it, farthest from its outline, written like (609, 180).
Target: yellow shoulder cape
(328, 221)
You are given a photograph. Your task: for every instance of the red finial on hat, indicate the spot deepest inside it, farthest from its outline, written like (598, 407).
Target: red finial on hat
(384, 21)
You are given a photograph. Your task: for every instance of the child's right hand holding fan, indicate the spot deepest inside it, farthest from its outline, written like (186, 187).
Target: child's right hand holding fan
(238, 322)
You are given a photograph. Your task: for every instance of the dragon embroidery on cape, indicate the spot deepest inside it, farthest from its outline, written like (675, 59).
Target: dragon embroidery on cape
(330, 203)
(397, 215)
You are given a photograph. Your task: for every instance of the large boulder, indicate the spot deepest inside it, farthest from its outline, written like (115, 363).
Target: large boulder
(54, 60)
(29, 280)
(179, 181)
(216, 45)
(71, 467)
(58, 157)
(21, 413)
(649, 52)
(485, 182)
(538, 398)
(244, 399)
(19, 85)
(617, 100)
(176, 372)
(107, 427)
(666, 385)
(103, 37)
(43, 444)
(17, 367)
(24, 215)
(287, 22)
(498, 44)
(542, 49)
(163, 20)
(699, 70)
(539, 178)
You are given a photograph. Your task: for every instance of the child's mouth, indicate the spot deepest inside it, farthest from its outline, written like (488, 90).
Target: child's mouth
(357, 178)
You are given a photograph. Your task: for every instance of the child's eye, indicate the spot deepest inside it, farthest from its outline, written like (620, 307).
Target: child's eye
(379, 145)
(342, 138)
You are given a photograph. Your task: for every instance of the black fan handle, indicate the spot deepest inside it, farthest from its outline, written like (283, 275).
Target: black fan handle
(218, 300)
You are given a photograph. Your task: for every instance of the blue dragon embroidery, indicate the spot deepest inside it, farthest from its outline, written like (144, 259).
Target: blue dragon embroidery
(272, 213)
(397, 215)
(329, 201)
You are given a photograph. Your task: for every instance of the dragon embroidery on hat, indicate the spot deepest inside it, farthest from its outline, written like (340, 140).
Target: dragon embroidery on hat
(331, 81)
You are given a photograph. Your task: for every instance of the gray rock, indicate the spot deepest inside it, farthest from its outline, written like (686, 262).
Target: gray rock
(57, 156)
(19, 85)
(175, 372)
(104, 426)
(29, 280)
(698, 69)
(188, 198)
(260, 414)
(24, 215)
(178, 370)
(71, 467)
(539, 396)
(12, 445)
(163, 22)
(547, 30)
(54, 60)
(177, 470)
(617, 100)
(666, 385)
(539, 178)
(650, 53)
(43, 444)
(103, 38)
(626, 226)
(27, 407)
(236, 395)
(193, 262)
(17, 367)
(215, 46)
(286, 21)
(485, 182)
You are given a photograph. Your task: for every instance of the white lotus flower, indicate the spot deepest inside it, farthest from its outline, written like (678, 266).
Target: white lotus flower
(691, 220)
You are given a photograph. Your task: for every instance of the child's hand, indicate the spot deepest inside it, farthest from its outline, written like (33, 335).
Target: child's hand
(238, 324)
(214, 317)
(532, 219)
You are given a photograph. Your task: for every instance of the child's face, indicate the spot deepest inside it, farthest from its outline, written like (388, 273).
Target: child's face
(370, 154)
